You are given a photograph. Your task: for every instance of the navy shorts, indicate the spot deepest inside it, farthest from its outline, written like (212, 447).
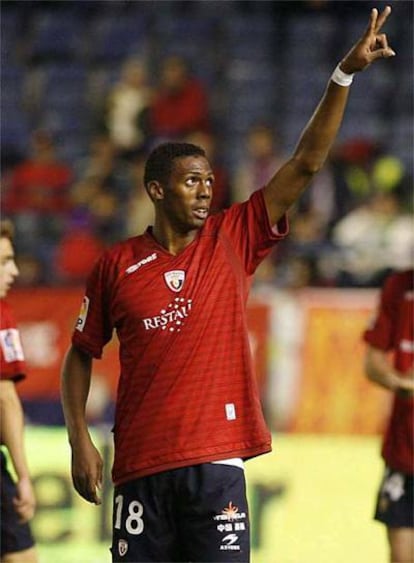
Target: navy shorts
(196, 513)
(395, 505)
(15, 536)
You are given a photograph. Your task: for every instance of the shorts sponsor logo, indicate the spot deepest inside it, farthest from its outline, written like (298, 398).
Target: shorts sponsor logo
(175, 279)
(228, 543)
(142, 262)
(122, 547)
(170, 318)
(394, 486)
(80, 323)
(229, 513)
(11, 345)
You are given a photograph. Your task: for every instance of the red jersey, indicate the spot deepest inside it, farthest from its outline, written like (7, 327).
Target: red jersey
(187, 392)
(12, 364)
(180, 113)
(393, 329)
(40, 186)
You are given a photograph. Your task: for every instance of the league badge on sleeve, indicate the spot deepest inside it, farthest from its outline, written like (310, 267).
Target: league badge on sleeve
(11, 345)
(80, 323)
(175, 280)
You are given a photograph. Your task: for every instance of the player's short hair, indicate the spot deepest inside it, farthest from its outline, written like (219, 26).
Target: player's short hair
(160, 161)
(6, 229)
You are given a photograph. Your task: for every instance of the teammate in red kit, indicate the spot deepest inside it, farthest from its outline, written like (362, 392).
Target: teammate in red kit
(188, 412)
(393, 331)
(17, 498)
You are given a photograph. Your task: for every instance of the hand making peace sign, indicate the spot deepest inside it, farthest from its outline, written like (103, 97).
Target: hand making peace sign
(373, 45)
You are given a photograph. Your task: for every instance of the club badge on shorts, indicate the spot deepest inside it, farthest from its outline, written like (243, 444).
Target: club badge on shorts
(175, 280)
(122, 547)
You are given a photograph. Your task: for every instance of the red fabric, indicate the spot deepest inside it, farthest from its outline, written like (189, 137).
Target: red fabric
(393, 329)
(38, 186)
(175, 115)
(184, 348)
(12, 365)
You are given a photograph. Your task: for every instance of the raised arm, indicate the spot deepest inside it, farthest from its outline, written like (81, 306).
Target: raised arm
(87, 463)
(318, 135)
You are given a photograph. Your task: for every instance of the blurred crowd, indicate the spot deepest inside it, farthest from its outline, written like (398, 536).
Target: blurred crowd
(351, 228)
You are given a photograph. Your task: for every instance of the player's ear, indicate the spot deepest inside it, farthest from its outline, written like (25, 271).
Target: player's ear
(155, 190)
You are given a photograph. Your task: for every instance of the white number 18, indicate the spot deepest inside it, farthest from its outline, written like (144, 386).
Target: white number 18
(134, 523)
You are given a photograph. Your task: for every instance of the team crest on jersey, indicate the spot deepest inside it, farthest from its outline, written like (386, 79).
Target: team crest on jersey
(122, 547)
(175, 279)
(11, 345)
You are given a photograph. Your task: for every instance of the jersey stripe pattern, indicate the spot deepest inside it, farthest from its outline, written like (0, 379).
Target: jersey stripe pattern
(393, 329)
(187, 391)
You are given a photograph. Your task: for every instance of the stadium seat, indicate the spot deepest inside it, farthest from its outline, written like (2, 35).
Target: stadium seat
(116, 39)
(56, 36)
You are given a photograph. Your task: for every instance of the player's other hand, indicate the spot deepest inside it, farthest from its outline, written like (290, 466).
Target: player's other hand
(87, 468)
(24, 502)
(373, 45)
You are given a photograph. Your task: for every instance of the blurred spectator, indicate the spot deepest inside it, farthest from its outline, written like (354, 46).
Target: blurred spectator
(31, 272)
(140, 212)
(100, 197)
(98, 208)
(77, 252)
(181, 103)
(372, 240)
(40, 182)
(262, 158)
(36, 198)
(363, 169)
(104, 163)
(126, 118)
(323, 199)
(221, 191)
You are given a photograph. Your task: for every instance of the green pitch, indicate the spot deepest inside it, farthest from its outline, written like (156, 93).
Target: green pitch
(311, 502)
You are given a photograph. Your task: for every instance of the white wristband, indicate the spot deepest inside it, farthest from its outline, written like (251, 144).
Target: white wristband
(340, 77)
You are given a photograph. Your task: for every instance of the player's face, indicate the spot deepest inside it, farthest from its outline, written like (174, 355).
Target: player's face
(188, 194)
(8, 268)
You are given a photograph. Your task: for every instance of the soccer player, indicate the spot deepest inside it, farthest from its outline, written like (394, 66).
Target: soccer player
(188, 412)
(17, 498)
(392, 331)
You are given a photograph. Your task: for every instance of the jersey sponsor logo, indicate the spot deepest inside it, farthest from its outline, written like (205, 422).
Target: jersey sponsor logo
(171, 318)
(175, 279)
(122, 547)
(11, 345)
(142, 262)
(407, 346)
(80, 323)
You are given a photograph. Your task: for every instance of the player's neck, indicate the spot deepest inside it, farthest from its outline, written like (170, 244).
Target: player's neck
(172, 240)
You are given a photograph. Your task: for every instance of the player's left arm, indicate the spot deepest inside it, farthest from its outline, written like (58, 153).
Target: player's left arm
(318, 135)
(379, 370)
(12, 436)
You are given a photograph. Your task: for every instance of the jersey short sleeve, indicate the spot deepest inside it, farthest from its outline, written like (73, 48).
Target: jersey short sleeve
(380, 333)
(94, 327)
(248, 227)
